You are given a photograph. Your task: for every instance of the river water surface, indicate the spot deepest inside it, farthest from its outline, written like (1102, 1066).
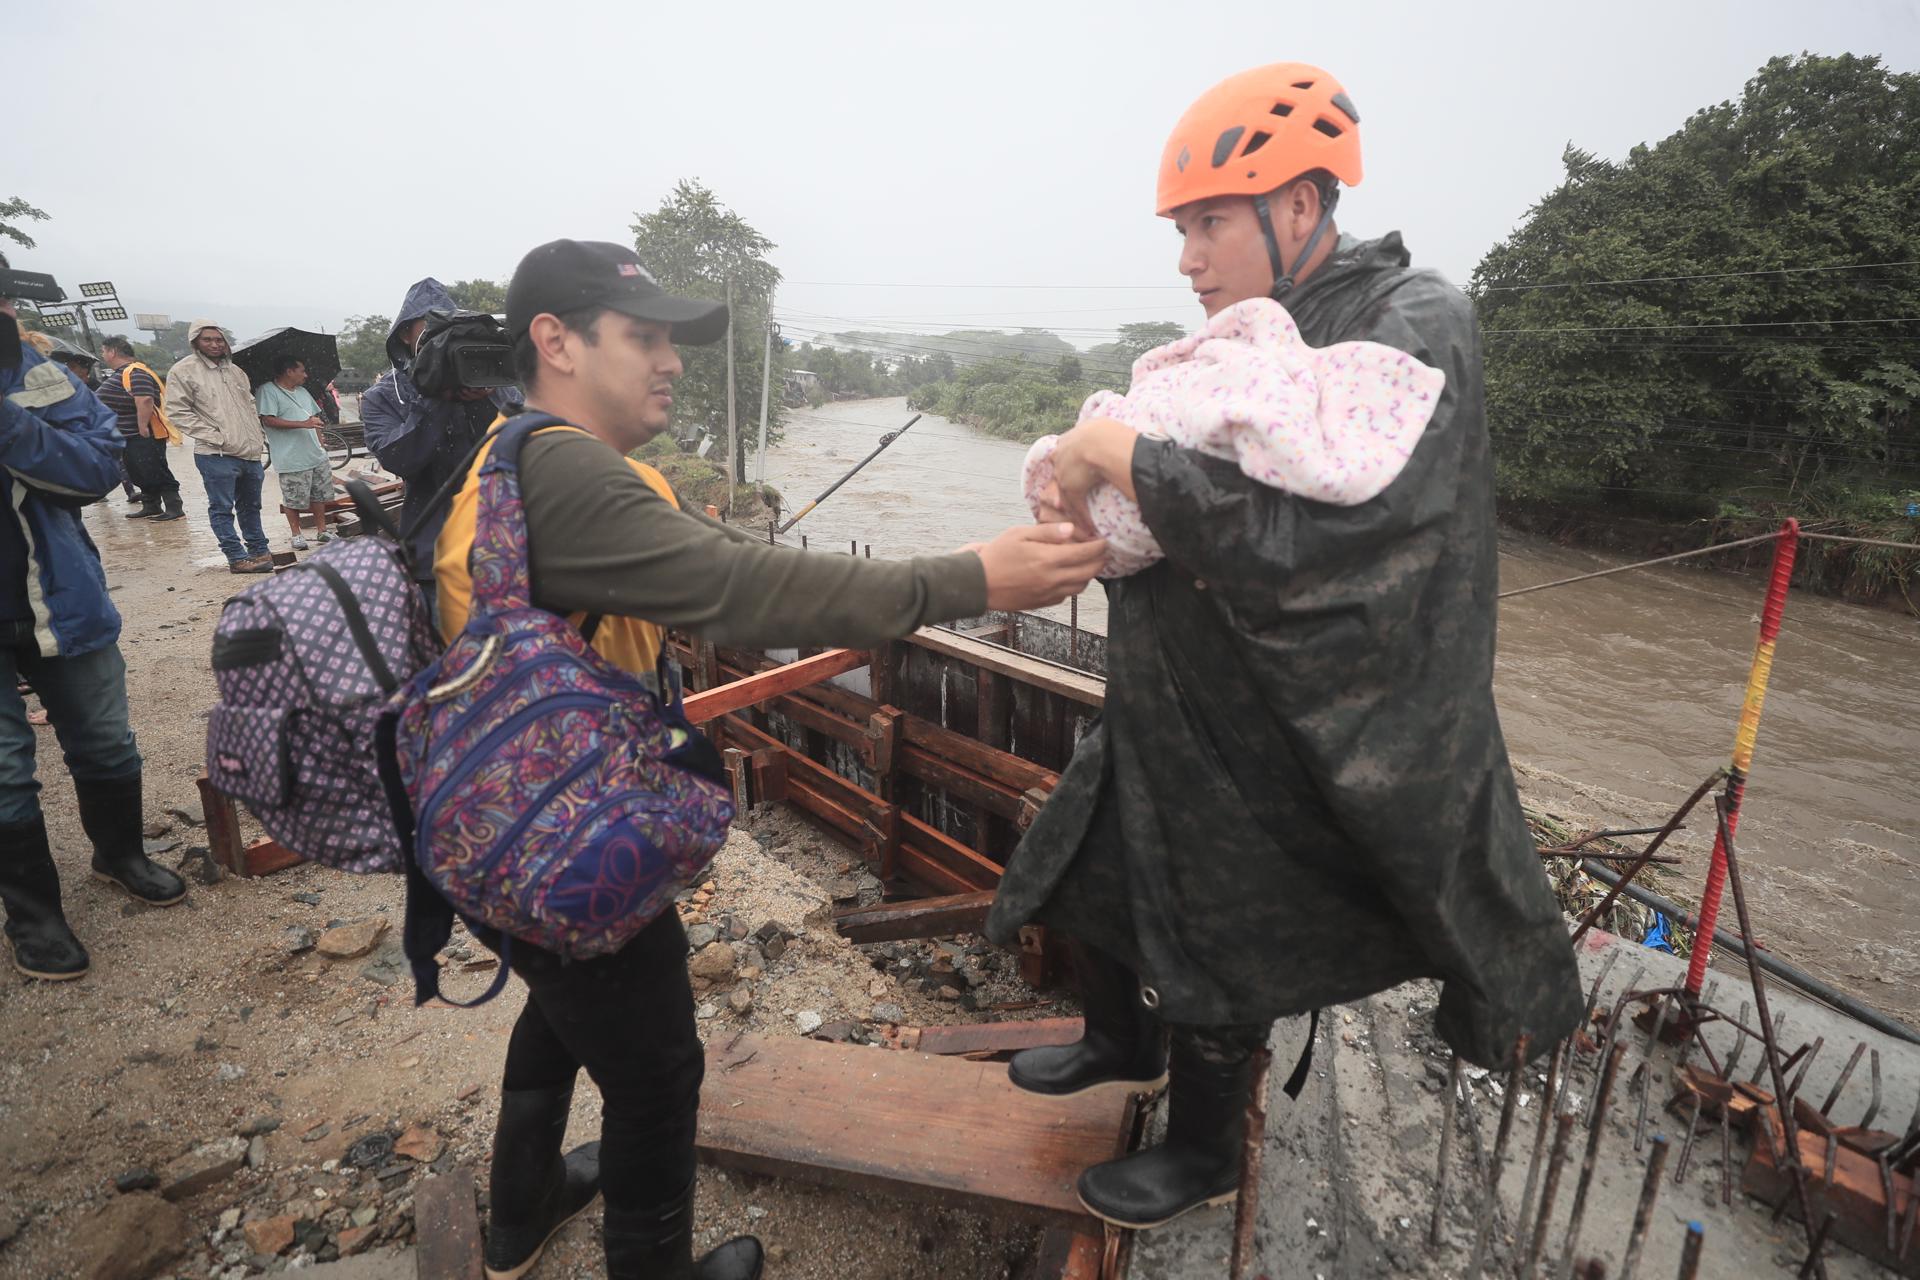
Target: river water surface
(1618, 696)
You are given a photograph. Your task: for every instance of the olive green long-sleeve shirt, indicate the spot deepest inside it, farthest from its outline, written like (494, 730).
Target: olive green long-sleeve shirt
(601, 540)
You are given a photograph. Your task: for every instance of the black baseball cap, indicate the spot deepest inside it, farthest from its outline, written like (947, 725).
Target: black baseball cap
(569, 275)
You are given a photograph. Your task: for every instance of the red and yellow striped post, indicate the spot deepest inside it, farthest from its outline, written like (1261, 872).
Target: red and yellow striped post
(1784, 549)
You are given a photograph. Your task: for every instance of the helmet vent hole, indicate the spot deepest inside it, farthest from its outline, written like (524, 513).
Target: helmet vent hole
(1303, 84)
(1259, 139)
(1327, 127)
(1223, 145)
(1281, 109)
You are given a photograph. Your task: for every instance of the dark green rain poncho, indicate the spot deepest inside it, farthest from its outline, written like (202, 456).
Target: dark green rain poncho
(1298, 793)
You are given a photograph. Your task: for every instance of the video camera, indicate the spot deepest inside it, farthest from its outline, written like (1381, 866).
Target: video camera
(461, 351)
(30, 286)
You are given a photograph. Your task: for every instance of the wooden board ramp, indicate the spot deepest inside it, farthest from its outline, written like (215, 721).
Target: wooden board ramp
(914, 1125)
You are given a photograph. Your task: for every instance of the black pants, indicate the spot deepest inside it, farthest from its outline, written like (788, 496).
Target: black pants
(146, 463)
(628, 1019)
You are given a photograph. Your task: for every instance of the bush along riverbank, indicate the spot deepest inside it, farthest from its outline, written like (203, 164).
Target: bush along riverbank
(700, 482)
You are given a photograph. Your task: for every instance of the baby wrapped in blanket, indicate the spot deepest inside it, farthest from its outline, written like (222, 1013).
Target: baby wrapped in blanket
(1334, 424)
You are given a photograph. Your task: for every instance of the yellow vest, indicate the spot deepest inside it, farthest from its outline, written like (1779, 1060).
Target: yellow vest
(157, 424)
(628, 643)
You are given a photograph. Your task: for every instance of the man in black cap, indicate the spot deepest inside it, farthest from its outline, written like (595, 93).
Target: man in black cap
(594, 343)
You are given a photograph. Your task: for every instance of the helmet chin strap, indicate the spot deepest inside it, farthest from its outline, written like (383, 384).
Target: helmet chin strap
(1283, 279)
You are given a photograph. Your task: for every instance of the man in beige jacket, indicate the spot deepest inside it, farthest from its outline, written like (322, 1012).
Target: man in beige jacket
(210, 401)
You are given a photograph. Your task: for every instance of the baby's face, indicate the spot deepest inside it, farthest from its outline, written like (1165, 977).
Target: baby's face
(1223, 252)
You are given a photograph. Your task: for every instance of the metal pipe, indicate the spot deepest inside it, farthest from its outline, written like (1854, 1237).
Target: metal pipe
(1446, 1151)
(1643, 1212)
(885, 440)
(1556, 1163)
(1690, 1252)
(1789, 974)
(1590, 1161)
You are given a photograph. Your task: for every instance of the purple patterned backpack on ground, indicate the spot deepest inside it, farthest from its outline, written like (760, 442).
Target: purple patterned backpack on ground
(553, 796)
(305, 661)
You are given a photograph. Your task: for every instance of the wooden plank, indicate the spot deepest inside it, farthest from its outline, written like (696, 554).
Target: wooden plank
(707, 705)
(923, 918)
(1037, 672)
(447, 1227)
(264, 857)
(960, 783)
(999, 1037)
(931, 873)
(1006, 769)
(982, 872)
(850, 1116)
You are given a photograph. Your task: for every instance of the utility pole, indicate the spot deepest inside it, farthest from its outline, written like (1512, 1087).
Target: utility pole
(766, 389)
(733, 430)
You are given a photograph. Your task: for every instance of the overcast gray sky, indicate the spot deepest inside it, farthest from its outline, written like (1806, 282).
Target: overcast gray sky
(297, 164)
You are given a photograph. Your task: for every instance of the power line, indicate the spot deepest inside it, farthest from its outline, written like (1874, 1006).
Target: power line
(1731, 324)
(1701, 275)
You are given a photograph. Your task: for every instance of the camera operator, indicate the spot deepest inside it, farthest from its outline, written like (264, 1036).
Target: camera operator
(421, 438)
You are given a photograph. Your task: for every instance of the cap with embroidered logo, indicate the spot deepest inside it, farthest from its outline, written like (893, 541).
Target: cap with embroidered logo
(570, 275)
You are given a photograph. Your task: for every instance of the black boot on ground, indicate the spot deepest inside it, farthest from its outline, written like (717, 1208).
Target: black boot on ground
(36, 930)
(1199, 1164)
(535, 1190)
(111, 813)
(1123, 1048)
(149, 508)
(173, 510)
(657, 1244)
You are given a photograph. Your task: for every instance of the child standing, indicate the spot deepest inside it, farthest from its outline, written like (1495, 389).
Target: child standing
(292, 421)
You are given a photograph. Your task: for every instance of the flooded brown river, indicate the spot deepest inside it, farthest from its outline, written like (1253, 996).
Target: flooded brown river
(1618, 696)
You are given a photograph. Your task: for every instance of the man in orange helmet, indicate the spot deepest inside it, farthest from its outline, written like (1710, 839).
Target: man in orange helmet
(1298, 793)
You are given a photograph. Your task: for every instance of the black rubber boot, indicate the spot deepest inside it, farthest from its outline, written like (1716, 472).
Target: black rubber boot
(149, 508)
(173, 509)
(1199, 1164)
(111, 813)
(37, 933)
(1123, 1048)
(657, 1244)
(534, 1191)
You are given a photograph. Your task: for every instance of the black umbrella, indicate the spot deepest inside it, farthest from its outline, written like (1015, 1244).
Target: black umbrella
(320, 352)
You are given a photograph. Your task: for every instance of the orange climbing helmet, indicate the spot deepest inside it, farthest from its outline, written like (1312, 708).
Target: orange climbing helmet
(1254, 132)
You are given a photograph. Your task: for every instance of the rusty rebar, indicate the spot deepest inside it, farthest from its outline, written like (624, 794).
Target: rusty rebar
(1767, 1046)
(1799, 1078)
(1906, 1232)
(1686, 1147)
(1246, 1207)
(1589, 1162)
(1873, 1106)
(1690, 1252)
(1833, 1153)
(1547, 1108)
(1593, 995)
(1887, 1196)
(1613, 1031)
(1643, 1212)
(1726, 1155)
(1550, 1188)
(1489, 1178)
(1739, 1042)
(1646, 1083)
(1789, 1129)
(1846, 1074)
(1626, 875)
(1816, 1248)
(1516, 1075)
(1446, 1151)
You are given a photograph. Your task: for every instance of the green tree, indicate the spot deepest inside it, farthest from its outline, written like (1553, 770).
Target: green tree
(694, 245)
(1068, 370)
(1712, 315)
(1143, 336)
(480, 295)
(363, 345)
(14, 211)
